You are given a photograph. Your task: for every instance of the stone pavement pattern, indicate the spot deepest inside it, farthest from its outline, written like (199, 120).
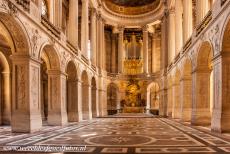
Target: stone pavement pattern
(122, 135)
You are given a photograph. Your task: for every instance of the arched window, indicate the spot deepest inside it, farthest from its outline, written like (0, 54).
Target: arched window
(44, 9)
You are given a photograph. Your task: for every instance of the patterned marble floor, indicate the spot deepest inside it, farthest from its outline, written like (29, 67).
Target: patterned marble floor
(116, 135)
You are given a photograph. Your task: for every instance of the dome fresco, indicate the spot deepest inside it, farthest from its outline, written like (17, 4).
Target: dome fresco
(132, 3)
(131, 7)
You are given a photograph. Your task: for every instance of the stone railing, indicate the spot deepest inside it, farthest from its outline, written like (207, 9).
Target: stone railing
(187, 44)
(93, 67)
(204, 23)
(84, 59)
(177, 58)
(24, 3)
(72, 47)
(223, 2)
(50, 27)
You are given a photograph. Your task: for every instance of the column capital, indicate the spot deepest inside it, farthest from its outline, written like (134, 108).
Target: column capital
(121, 28)
(93, 11)
(171, 10)
(145, 28)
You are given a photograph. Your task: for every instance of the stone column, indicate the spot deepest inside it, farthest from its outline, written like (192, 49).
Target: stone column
(99, 23)
(221, 107)
(97, 102)
(103, 51)
(187, 20)
(73, 22)
(176, 110)
(202, 8)
(170, 101)
(85, 28)
(200, 100)
(90, 102)
(145, 48)
(186, 98)
(72, 101)
(79, 100)
(156, 53)
(57, 114)
(164, 43)
(6, 98)
(163, 101)
(114, 53)
(26, 115)
(86, 101)
(148, 101)
(171, 38)
(178, 26)
(93, 36)
(120, 49)
(118, 101)
(56, 12)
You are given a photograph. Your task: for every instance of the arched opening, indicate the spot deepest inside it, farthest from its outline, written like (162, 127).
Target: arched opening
(186, 91)
(5, 80)
(13, 43)
(112, 100)
(94, 97)
(176, 110)
(72, 92)
(202, 104)
(49, 85)
(170, 100)
(44, 92)
(85, 96)
(221, 106)
(153, 98)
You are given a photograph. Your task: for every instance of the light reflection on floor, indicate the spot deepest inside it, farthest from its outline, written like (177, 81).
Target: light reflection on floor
(121, 135)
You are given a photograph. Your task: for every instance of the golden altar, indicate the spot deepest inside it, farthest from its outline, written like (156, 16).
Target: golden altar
(134, 110)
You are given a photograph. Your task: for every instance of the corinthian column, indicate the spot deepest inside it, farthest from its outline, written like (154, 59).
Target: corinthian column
(113, 53)
(202, 9)
(84, 28)
(171, 40)
(120, 49)
(93, 36)
(178, 24)
(187, 19)
(73, 22)
(145, 48)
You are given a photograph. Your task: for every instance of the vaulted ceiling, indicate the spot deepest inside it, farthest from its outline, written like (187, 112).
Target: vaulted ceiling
(131, 7)
(132, 3)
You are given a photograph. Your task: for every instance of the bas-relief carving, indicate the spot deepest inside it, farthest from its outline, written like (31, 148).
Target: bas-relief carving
(214, 36)
(17, 33)
(63, 96)
(54, 91)
(9, 7)
(64, 58)
(34, 38)
(34, 86)
(20, 86)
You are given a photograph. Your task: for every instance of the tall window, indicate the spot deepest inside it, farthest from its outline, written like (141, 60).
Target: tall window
(44, 8)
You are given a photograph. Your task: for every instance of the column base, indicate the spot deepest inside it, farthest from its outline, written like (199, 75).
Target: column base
(176, 114)
(57, 118)
(73, 117)
(85, 115)
(25, 123)
(220, 122)
(201, 117)
(186, 115)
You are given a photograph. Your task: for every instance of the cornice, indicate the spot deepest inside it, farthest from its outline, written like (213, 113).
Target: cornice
(131, 20)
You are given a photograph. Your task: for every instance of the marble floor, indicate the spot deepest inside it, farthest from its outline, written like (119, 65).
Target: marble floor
(116, 135)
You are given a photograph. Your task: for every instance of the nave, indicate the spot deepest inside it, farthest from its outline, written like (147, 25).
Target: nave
(122, 135)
